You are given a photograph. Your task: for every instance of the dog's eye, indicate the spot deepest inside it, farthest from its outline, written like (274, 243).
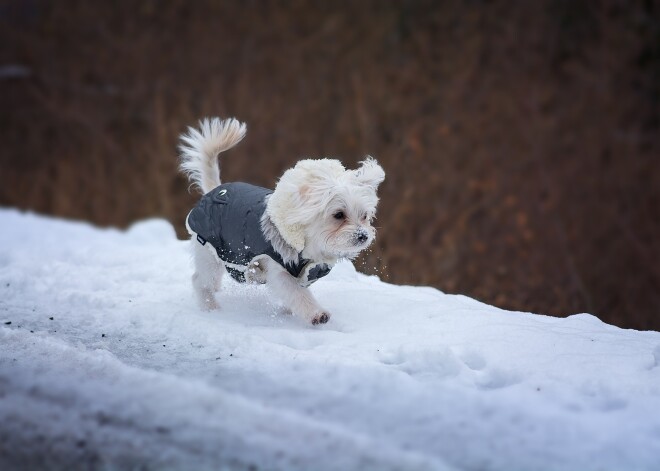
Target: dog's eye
(339, 215)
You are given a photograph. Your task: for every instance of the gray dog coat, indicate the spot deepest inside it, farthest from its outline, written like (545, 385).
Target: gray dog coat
(229, 218)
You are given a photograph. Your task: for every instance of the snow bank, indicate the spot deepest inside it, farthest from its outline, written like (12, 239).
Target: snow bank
(105, 363)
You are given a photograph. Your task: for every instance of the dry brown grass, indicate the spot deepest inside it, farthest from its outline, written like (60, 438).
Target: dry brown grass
(520, 139)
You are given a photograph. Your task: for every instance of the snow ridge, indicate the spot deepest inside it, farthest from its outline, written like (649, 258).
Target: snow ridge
(106, 363)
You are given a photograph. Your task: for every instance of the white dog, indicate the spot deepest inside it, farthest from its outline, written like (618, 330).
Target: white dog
(318, 213)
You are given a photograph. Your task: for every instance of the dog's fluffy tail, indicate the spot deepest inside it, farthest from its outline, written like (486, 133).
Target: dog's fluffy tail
(200, 148)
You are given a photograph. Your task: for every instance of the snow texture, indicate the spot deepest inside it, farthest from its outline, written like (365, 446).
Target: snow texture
(107, 363)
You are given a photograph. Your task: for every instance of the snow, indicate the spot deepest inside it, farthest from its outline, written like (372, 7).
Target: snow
(107, 363)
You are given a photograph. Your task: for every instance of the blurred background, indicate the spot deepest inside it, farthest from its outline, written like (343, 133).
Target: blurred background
(520, 139)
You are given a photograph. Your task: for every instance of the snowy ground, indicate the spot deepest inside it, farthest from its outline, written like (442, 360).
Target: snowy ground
(106, 363)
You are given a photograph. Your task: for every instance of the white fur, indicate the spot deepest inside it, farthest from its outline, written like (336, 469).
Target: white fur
(318, 208)
(200, 149)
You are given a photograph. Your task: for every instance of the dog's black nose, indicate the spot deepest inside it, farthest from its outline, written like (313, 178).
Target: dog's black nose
(361, 237)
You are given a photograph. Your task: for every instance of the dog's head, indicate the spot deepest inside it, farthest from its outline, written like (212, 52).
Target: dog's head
(324, 210)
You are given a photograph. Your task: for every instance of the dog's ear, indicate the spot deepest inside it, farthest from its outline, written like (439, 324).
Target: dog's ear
(370, 173)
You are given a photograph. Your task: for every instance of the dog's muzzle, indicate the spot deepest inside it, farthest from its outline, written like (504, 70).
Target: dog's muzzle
(360, 237)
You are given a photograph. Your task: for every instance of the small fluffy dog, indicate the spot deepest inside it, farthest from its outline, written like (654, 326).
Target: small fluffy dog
(289, 237)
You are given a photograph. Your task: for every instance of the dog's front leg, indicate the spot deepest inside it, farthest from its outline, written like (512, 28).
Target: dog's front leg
(296, 298)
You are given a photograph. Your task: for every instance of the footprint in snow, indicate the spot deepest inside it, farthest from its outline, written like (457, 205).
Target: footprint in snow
(496, 378)
(473, 360)
(428, 362)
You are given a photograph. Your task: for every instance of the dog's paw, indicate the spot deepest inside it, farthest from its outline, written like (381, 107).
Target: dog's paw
(256, 270)
(207, 302)
(321, 318)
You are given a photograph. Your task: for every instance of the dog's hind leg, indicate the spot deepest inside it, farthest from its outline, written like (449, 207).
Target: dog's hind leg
(207, 277)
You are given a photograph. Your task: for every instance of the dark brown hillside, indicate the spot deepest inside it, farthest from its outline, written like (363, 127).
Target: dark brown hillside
(521, 139)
